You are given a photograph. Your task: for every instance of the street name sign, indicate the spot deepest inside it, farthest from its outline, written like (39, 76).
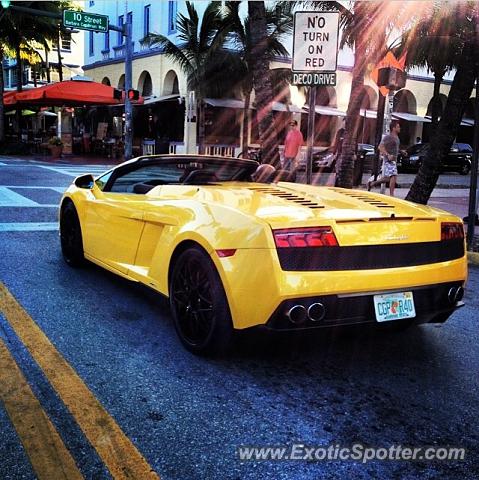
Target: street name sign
(315, 48)
(85, 21)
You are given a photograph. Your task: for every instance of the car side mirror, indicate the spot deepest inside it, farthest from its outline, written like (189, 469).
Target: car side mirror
(85, 181)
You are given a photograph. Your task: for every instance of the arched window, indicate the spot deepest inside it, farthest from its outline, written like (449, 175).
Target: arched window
(121, 82)
(145, 84)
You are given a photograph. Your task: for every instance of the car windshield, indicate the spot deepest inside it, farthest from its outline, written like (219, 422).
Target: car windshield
(188, 170)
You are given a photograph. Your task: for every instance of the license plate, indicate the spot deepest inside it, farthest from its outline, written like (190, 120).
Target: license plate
(394, 306)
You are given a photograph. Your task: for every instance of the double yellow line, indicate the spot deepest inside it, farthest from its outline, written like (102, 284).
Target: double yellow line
(48, 455)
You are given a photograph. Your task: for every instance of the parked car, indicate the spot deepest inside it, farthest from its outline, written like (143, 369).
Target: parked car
(325, 161)
(458, 159)
(233, 254)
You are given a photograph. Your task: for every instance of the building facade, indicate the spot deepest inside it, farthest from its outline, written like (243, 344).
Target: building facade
(163, 85)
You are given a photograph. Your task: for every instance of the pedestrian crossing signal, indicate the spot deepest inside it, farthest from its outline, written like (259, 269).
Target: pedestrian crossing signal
(117, 94)
(133, 94)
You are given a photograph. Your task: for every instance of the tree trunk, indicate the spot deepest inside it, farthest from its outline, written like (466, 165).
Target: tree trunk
(447, 129)
(60, 66)
(262, 84)
(436, 102)
(19, 68)
(2, 108)
(346, 160)
(244, 140)
(47, 65)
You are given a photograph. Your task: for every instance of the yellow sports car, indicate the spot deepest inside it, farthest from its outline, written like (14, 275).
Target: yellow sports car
(231, 253)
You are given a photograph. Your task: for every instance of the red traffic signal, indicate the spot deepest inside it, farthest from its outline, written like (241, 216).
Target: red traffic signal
(133, 94)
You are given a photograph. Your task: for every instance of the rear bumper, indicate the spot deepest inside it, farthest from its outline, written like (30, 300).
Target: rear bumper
(433, 304)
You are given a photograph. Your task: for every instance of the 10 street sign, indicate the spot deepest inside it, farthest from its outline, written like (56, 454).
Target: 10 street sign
(315, 48)
(85, 21)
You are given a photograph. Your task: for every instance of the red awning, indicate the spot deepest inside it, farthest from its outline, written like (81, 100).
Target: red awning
(9, 98)
(71, 93)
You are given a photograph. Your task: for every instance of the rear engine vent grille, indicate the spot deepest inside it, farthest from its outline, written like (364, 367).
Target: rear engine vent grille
(367, 199)
(369, 257)
(285, 195)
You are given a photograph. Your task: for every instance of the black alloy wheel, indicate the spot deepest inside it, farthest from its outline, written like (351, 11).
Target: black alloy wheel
(70, 236)
(199, 305)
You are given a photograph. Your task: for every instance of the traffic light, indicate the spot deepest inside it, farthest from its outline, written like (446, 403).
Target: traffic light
(391, 78)
(5, 3)
(117, 94)
(133, 94)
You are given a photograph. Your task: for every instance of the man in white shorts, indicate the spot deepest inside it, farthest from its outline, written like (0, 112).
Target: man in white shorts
(389, 149)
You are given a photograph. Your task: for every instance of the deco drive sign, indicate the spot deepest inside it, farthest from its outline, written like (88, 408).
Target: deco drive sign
(315, 48)
(85, 21)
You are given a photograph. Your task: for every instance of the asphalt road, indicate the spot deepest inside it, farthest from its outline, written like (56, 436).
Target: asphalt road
(188, 415)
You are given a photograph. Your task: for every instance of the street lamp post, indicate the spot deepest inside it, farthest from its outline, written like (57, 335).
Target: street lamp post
(127, 28)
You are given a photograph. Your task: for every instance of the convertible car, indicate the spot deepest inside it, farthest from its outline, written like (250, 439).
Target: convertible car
(232, 254)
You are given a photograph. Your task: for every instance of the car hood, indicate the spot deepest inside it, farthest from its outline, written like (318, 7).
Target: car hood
(350, 212)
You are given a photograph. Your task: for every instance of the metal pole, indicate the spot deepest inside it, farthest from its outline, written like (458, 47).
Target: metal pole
(471, 221)
(387, 121)
(379, 133)
(128, 79)
(310, 140)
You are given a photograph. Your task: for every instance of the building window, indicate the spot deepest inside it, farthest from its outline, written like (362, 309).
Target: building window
(146, 20)
(119, 38)
(172, 10)
(67, 41)
(91, 45)
(107, 41)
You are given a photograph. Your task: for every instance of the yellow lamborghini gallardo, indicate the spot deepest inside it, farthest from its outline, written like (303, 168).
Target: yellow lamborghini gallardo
(232, 254)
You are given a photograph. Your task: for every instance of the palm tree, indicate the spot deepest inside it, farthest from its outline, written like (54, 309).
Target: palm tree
(210, 69)
(365, 28)
(259, 67)
(19, 30)
(279, 21)
(433, 43)
(467, 71)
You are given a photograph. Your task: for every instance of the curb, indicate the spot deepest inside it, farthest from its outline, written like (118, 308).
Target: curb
(473, 258)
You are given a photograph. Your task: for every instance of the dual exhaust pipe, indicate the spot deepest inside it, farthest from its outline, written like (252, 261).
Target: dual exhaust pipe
(455, 294)
(298, 314)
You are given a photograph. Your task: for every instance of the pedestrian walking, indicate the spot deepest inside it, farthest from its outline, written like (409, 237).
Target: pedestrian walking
(292, 145)
(389, 149)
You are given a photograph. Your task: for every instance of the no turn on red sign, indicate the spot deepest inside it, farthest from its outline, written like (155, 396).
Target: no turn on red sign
(315, 48)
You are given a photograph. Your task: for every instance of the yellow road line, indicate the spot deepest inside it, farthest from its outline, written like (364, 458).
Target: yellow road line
(116, 450)
(48, 455)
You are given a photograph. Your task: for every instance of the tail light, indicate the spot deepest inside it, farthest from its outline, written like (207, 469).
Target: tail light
(452, 231)
(305, 237)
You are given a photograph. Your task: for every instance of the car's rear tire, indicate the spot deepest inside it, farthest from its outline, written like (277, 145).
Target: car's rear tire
(199, 305)
(70, 236)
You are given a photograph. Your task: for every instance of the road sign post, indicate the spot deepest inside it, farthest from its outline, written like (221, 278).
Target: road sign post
(315, 58)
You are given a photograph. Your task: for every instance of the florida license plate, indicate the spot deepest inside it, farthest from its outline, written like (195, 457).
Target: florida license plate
(394, 306)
